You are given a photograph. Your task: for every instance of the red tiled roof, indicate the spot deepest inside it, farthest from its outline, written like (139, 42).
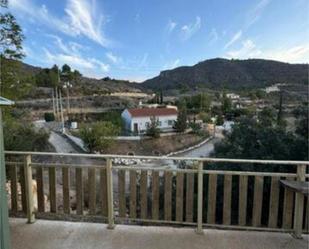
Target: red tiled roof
(146, 112)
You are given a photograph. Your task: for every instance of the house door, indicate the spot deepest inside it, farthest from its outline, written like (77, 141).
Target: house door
(135, 128)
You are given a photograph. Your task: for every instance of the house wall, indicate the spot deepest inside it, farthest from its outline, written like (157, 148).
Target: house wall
(163, 122)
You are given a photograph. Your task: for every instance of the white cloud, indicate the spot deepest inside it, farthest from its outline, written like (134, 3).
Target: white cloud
(248, 49)
(188, 30)
(81, 19)
(171, 25)
(234, 38)
(84, 20)
(255, 13)
(294, 54)
(213, 36)
(113, 58)
(171, 65)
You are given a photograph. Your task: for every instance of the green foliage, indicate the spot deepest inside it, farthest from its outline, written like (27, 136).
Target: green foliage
(98, 136)
(49, 116)
(114, 117)
(48, 77)
(11, 37)
(198, 102)
(181, 122)
(226, 104)
(23, 136)
(250, 139)
(302, 124)
(153, 128)
(220, 120)
(267, 117)
(14, 82)
(205, 117)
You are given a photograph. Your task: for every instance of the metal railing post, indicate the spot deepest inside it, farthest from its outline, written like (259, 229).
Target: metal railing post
(110, 199)
(299, 203)
(199, 229)
(28, 190)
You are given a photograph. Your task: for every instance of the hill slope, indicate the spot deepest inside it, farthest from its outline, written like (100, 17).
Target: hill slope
(218, 73)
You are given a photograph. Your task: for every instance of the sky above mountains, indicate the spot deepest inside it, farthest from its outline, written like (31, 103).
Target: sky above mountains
(135, 40)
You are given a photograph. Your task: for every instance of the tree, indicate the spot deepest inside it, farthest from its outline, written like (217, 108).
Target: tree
(153, 129)
(11, 39)
(220, 120)
(250, 139)
(226, 103)
(181, 122)
(11, 36)
(267, 117)
(23, 136)
(98, 136)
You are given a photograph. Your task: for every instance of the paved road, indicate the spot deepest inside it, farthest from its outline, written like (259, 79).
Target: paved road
(204, 150)
(60, 144)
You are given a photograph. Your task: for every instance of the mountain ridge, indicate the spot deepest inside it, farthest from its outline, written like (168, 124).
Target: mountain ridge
(234, 73)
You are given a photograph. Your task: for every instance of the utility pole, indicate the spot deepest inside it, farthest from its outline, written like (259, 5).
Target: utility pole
(54, 107)
(57, 104)
(61, 113)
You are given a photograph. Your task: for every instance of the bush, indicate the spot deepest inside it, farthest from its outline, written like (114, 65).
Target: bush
(99, 136)
(49, 116)
(20, 136)
(153, 129)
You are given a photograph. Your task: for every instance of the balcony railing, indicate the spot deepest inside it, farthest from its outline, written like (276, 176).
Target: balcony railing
(191, 192)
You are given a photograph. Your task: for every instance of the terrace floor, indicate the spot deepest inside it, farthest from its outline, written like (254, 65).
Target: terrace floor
(45, 234)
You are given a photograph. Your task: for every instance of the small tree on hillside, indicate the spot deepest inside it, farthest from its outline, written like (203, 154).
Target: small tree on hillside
(153, 129)
(99, 135)
(181, 122)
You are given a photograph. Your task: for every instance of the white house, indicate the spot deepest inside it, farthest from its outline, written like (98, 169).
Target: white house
(138, 119)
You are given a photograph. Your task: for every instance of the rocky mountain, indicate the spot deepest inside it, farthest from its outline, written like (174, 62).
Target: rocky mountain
(233, 74)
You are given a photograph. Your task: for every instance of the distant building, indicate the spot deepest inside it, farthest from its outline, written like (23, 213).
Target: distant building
(138, 119)
(232, 96)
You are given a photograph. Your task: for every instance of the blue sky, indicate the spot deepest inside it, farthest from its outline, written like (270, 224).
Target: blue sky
(135, 40)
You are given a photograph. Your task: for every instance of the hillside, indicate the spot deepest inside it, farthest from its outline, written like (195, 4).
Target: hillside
(235, 74)
(82, 85)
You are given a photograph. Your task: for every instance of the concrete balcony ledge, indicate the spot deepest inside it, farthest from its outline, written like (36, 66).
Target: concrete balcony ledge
(45, 234)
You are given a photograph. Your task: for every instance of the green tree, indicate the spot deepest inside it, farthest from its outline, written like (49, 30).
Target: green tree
(250, 139)
(181, 122)
(23, 136)
(267, 117)
(11, 36)
(220, 120)
(11, 39)
(226, 103)
(153, 129)
(99, 136)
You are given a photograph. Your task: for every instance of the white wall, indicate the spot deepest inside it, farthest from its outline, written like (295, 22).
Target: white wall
(142, 121)
(163, 122)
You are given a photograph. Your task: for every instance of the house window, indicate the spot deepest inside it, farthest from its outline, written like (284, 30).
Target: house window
(170, 122)
(147, 124)
(160, 123)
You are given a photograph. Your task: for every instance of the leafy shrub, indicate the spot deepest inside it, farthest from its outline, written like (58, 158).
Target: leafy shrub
(99, 136)
(153, 129)
(49, 116)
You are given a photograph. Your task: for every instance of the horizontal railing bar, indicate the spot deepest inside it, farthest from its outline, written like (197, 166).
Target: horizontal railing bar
(156, 221)
(59, 165)
(205, 159)
(251, 228)
(14, 163)
(154, 169)
(248, 173)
